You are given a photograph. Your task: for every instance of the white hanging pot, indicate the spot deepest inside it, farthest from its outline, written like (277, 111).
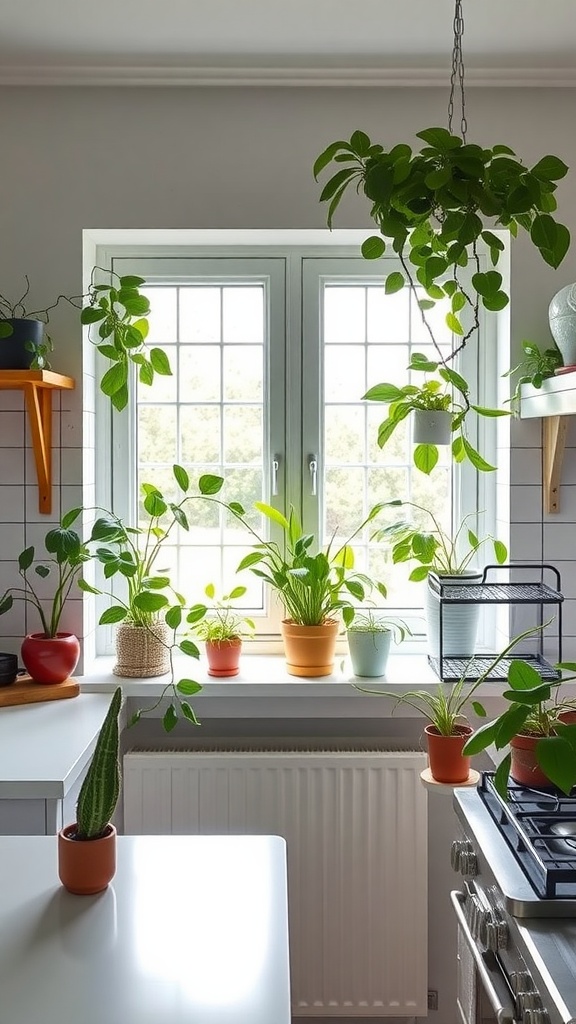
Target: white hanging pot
(432, 426)
(459, 621)
(562, 319)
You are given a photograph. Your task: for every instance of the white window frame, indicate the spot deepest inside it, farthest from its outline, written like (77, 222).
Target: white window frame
(115, 433)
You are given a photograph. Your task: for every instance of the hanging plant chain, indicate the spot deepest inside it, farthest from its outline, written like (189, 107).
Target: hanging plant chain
(457, 74)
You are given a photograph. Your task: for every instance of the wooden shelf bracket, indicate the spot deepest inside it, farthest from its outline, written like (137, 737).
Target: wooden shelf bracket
(554, 441)
(38, 386)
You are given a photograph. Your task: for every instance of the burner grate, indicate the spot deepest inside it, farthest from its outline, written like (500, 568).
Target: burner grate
(526, 821)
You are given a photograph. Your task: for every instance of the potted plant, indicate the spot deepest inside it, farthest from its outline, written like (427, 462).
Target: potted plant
(434, 206)
(24, 344)
(369, 637)
(313, 587)
(448, 730)
(536, 366)
(438, 417)
(445, 561)
(50, 656)
(120, 310)
(87, 848)
(222, 630)
(145, 615)
(538, 726)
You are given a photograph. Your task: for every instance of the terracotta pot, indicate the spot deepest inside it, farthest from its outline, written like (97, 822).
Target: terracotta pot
(142, 651)
(310, 650)
(524, 768)
(445, 758)
(86, 866)
(223, 657)
(50, 659)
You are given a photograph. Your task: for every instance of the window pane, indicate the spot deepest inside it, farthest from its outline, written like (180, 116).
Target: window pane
(243, 315)
(344, 315)
(199, 376)
(199, 315)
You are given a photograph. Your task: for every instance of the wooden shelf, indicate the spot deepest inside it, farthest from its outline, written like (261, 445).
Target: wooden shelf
(554, 402)
(38, 386)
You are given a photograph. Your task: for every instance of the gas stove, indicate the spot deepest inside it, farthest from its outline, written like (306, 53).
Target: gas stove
(516, 905)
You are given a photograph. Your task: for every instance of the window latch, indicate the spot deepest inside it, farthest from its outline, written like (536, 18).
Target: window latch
(274, 480)
(313, 470)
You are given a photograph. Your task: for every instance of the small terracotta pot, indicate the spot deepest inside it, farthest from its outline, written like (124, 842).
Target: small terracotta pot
(86, 866)
(223, 657)
(446, 760)
(310, 650)
(50, 659)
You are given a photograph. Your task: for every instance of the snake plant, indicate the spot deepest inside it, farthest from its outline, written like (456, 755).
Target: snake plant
(101, 787)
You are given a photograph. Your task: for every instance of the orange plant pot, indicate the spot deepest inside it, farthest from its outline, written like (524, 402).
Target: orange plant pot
(445, 758)
(86, 866)
(310, 650)
(223, 657)
(524, 768)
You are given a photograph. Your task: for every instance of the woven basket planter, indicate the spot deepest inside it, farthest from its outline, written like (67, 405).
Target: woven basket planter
(142, 651)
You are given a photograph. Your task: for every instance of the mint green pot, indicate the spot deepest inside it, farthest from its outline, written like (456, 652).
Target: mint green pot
(369, 651)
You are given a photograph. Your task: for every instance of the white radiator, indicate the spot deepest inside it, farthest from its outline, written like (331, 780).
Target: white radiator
(355, 824)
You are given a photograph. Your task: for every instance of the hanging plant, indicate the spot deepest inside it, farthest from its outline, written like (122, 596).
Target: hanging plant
(434, 208)
(447, 393)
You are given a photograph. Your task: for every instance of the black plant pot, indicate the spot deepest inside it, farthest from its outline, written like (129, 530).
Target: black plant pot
(8, 669)
(18, 351)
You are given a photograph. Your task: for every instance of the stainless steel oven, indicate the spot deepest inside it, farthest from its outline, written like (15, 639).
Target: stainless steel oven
(516, 922)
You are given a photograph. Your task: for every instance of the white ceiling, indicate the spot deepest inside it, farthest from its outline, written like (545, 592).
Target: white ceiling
(311, 35)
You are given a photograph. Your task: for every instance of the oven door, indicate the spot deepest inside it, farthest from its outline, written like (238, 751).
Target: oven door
(483, 993)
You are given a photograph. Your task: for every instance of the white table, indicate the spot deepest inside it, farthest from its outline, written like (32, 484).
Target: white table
(192, 930)
(44, 749)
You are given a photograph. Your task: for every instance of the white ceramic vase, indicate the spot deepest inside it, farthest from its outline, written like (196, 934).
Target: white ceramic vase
(562, 318)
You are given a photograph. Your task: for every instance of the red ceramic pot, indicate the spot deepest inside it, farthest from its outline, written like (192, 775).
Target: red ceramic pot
(223, 657)
(445, 757)
(50, 659)
(86, 866)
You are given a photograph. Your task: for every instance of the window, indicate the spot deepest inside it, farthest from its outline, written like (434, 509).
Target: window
(271, 351)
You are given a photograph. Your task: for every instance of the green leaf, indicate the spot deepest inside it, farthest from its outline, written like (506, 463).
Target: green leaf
(425, 457)
(160, 362)
(336, 181)
(453, 323)
(439, 138)
(91, 315)
(501, 776)
(556, 759)
(482, 411)
(114, 614)
(482, 738)
(394, 283)
(549, 168)
(173, 617)
(476, 459)
(383, 393)
(70, 517)
(114, 379)
(25, 559)
(189, 648)
(146, 374)
(86, 587)
(196, 613)
(189, 687)
(170, 718)
(251, 559)
(120, 398)
(42, 570)
(210, 484)
(147, 602)
(181, 477)
(327, 155)
(373, 248)
(6, 603)
(500, 551)
(188, 712)
(360, 143)
(272, 514)
(131, 281)
(236, 593)
(523, 676)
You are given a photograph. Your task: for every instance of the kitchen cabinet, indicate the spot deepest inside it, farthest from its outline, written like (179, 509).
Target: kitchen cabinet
(192, 928)
(44, 751)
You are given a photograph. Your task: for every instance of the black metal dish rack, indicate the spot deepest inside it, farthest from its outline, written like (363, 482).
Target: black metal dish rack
(535, 592)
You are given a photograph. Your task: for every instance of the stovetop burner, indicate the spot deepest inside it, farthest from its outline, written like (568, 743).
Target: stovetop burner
(540, 828)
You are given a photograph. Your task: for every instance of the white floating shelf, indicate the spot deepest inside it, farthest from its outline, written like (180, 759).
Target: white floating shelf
(554, 402)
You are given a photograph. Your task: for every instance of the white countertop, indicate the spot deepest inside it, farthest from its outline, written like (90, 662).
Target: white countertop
(44, 747)
(191, 929)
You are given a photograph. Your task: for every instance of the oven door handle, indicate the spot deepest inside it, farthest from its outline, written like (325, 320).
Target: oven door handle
(492, 981)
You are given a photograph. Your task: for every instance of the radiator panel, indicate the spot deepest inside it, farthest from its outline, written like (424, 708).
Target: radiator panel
(355, 824)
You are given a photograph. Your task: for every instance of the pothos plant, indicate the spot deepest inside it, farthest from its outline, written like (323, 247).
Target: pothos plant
(118, 311)
(536, 366)
(132, 554)
(434, 207)
(435, 394)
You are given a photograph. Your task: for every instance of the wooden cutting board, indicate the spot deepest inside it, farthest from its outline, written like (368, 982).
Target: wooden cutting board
(24, 691)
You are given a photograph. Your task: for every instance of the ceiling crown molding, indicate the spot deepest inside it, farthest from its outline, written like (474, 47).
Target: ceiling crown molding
(325, 77)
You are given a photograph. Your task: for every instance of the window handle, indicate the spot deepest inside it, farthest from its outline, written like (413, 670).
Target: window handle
(313, 470)
(275, 468)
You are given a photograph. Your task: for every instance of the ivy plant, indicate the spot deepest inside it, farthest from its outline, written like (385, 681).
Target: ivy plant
(118, 313)
(536, 366)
